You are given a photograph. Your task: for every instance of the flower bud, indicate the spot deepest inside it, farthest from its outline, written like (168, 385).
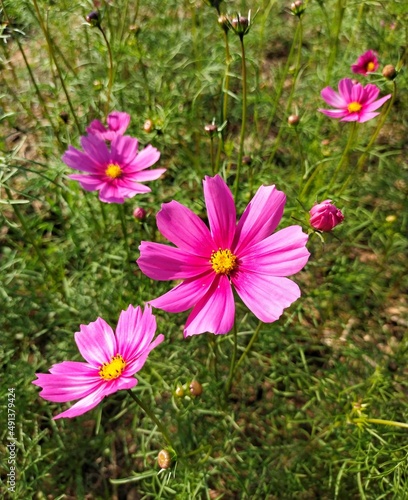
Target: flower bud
(224, 23)
(148, 126)
(297, 8)
(164, 459)
(247, 160)
(93, 18)
(196, 388)
(139, 213)
(389, 72)
(325, 216)
(211, 128)
(293, 120)
(179, 392)
(240, 25)
(64, 116)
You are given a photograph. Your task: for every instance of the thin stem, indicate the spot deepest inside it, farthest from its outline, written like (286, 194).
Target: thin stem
(380, 421)
(338, 20)
(233, 359)
(250, 344)
(363, 157)
(383, 117)
(299, 32)
(279, 89)
(110, 81)
(26, 229)
(344, 156)
(51, 49)
(122, 216)
(244, 115)
(212, 154)
(224, 110)
(153, 417)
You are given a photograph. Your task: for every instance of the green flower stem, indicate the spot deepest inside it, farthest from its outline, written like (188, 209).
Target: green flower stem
(212, 154)
(213, 348)
(337, 23)
(51, 50)
(122, 216)
(250, 344)
(233, 359)
(344, 156)
(153, 417)
(110, 81)
(27, 232)
(33, 80)
(366, 152)
(379, 421)
(279, 89)
(299, 36)
(244, 116)
(225, 90)
(381, 121)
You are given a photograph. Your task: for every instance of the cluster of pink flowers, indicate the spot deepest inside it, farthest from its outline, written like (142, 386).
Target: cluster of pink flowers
(353, 102)
(117, 170)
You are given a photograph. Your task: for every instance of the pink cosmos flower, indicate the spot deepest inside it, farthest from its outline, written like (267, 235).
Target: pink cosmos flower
(211, 261)
(366, 63)
(115, 172)
(111, 361)
(353, 101)
(118, 122)
(325, 216)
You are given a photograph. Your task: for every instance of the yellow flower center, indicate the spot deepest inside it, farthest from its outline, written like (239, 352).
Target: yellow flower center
(354, 107)
(113, 369)
(113, 171)
(223, 261)
(370, 66)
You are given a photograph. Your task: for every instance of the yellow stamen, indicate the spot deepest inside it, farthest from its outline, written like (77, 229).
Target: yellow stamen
(354, 107)
(113, 171)
(113, 369)
(370, 66)
(223, 261)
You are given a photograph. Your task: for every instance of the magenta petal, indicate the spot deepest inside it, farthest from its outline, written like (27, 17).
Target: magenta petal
(221, 211)
(185, 229)
(333, 98)
(96, 149)
(84, 404)
(60, 388)
(144, 159)
(334, 113)
(80, 161)
(96, 342)
(371, 92)
(345, 89)
(88, 182)
(135, 332)
(260, 218)
(96, 127)
(138, 362)
(364, 117)
(266, 296)
(185, 295)
(148, 175)
(282, 254)
(215, 312)
(375, 105)
(118, 121)
(162, 262)
(123, 150)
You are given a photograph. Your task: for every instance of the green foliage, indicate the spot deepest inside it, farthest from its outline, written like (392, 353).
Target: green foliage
(296, 423)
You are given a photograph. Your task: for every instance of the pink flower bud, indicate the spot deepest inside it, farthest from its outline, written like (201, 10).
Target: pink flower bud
(325, 216)
(139, 213)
